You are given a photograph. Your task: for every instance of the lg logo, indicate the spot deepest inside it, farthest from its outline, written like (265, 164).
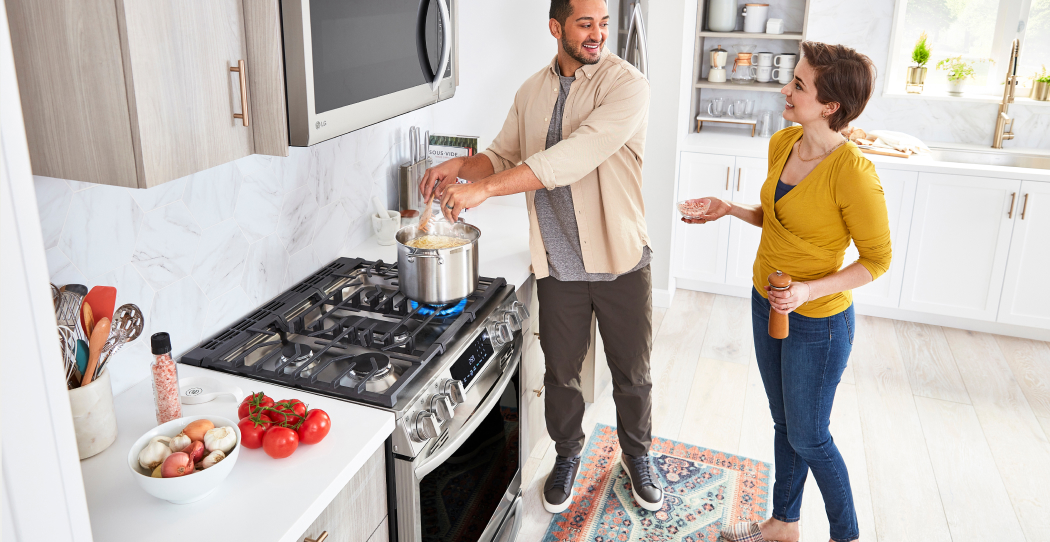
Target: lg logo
(320, 124)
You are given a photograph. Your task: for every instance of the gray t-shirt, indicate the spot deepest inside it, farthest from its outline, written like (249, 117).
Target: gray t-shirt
(557, 216)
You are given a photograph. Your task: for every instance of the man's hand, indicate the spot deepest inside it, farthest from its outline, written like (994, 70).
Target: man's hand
(438, 178)
(462, 196)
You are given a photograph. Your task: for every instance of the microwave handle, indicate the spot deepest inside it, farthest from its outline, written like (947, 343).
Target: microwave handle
(446, 25)
(434, 78)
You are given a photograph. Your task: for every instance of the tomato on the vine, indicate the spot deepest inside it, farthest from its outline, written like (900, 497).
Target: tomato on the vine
(252, 403)
(279, 442)
(253, 429)
(315, 427)
(287, 412)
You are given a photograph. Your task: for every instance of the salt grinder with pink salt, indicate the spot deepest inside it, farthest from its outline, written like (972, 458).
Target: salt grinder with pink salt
(165, 379)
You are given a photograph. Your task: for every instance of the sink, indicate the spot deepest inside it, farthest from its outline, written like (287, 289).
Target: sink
(991, 158)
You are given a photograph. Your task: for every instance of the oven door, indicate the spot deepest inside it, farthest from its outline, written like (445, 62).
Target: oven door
(352, 63)
(468, 488)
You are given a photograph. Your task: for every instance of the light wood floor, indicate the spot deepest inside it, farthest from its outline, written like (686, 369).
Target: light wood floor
(945, 432)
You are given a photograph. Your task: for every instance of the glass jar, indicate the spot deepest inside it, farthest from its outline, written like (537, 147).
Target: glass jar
(165, 377)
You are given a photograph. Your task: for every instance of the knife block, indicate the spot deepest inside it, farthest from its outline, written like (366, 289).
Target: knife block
(409, 201)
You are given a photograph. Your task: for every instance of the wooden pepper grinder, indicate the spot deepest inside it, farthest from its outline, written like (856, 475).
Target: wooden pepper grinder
(778, 323)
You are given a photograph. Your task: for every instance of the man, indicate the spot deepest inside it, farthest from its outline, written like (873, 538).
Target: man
(573, 142)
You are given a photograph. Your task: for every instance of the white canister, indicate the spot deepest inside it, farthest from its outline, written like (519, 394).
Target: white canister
(721, 17)
(755, 16)
(94, 422)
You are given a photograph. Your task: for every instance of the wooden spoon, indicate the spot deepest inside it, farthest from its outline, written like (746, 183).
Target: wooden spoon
(98, 340)
(87, 318)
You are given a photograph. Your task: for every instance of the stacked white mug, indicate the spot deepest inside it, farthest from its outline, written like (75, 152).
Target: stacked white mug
(763, 66)
(785, 67)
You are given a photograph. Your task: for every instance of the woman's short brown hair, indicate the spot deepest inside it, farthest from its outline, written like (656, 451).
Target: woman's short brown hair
(842, 75)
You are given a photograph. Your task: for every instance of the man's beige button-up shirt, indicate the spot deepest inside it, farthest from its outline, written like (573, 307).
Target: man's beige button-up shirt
(600, 157)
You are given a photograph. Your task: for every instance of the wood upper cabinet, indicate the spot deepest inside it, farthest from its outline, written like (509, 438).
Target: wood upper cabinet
(136, 93)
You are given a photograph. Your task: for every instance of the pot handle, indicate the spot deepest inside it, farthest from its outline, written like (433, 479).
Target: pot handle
(413, 255)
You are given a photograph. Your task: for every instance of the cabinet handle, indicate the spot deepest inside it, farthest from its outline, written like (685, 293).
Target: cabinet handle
(738, 173)
(538, 392)
(324, 534)
(1024, 205)
(729, 170)
(1013, 199)
(243, 115)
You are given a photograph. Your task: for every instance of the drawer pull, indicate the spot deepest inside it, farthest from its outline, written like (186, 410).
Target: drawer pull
(1024, 206)
(243, 115)
(538, 392)
(324, 535)
(1013, 200)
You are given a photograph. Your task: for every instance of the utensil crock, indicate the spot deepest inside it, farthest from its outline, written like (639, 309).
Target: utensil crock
(94, 421)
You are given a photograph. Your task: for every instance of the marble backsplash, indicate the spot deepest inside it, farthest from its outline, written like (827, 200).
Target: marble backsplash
(197, 253)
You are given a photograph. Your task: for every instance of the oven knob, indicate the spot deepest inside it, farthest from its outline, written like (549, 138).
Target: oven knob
(455, 391)
(523, 312)
(512, 319)
(442, 408)
(426, 427)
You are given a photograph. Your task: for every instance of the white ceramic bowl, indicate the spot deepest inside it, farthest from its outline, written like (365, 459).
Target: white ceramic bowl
(189, 488)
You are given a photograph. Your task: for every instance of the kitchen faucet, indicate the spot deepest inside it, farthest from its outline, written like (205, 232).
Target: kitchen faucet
(1002, 118)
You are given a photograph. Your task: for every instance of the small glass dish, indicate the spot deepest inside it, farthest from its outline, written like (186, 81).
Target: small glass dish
(692, 208)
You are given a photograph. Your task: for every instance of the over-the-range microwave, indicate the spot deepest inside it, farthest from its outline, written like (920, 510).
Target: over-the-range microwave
(352, 63)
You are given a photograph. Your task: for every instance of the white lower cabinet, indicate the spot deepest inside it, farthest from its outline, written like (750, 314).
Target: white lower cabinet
(1026, 299)
(958, 246)
(750, 175)
(885, 291)
(700, 250)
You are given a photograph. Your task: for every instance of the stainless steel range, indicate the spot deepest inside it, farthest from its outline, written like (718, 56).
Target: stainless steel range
(450, 374)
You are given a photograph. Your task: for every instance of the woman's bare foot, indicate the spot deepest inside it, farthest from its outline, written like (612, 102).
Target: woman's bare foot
(774, 529)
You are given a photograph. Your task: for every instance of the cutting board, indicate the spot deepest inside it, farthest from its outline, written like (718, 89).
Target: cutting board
(884, 152)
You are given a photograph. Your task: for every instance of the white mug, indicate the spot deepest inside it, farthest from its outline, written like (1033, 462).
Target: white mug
(763, 59)
(786, 60)
(783, 75)
(763, 74)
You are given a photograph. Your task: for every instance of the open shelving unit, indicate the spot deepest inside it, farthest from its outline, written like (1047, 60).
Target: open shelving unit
(795, 14)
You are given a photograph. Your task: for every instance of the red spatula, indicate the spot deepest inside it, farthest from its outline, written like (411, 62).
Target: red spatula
(101, 299)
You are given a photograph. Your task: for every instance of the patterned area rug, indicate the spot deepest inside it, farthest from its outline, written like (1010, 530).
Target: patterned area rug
(703, 490)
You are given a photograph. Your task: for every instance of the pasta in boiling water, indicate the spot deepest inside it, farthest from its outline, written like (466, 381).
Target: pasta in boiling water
(434, 242)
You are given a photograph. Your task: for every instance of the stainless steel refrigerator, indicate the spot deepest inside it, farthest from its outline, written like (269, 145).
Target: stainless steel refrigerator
(631, 45)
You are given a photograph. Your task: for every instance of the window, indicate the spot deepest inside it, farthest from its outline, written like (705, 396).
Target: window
(980, 31)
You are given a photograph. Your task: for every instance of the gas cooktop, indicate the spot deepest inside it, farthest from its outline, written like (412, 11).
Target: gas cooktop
(346, 331)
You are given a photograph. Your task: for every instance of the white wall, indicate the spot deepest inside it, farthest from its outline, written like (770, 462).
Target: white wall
(197, 253)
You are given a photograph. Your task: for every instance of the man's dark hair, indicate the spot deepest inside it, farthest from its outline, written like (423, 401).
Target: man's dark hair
(560, 10)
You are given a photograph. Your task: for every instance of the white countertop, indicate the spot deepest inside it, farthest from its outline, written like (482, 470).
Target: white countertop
(503, 249)
(736, 142)
(305, 482)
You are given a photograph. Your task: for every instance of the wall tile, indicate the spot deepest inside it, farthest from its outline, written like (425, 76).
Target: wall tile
(61, 270)
(264, 269)
(211, 195)
(258, 206)
(332, 228)
(159, 196)
(131, 288)
(52, 201)
(300, 266)
(225, 310)
(77, 186)
(179, 310)
(219, 264)
(99, 233)
(166, 245)
(298, 216)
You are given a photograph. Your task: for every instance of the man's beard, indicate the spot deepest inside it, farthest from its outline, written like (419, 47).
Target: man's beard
(577, 54)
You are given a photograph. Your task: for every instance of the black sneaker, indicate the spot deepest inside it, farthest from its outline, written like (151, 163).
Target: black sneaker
(643, 481)
(557, 490)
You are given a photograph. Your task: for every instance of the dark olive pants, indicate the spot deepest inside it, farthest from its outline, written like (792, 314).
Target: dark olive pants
(624, 309)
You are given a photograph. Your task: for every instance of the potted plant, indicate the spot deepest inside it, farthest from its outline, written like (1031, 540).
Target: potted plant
(920, 55)
(959, 71)
(1041, 85)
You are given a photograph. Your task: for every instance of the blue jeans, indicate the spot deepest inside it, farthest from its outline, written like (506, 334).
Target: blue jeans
(800, 374)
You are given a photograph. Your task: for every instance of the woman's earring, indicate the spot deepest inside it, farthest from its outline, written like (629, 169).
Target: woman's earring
(824, 115)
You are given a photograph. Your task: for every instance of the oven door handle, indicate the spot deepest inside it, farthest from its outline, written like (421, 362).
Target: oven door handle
(450, 447)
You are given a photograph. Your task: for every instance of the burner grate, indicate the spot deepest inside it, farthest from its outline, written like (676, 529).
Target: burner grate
(347, 307)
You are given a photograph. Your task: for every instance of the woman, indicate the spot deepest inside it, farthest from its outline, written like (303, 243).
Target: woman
(820, 193)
